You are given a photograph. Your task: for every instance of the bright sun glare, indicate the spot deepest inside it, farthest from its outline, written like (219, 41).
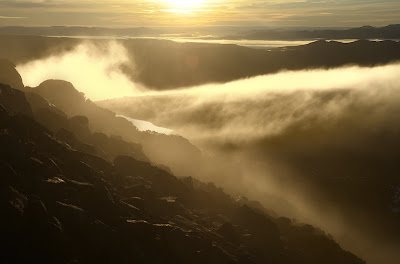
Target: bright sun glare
(182, 4)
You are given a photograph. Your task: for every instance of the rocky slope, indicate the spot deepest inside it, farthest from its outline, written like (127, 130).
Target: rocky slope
(70, 195)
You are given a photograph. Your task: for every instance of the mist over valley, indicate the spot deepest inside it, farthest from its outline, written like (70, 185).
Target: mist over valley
(201, 152)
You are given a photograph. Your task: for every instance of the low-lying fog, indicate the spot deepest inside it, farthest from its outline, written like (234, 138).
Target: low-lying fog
(93, 69)
(318, 145)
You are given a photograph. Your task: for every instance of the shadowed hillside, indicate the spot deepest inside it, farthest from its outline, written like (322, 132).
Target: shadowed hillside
(69, 194)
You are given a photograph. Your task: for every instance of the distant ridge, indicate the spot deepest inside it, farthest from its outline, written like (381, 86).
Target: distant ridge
(161, 64)
(364, 32)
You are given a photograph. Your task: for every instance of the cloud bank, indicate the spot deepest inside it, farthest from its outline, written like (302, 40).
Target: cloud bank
(318, 145)
(292, 140)
(94, 69)
(262, 106)
(206, 13)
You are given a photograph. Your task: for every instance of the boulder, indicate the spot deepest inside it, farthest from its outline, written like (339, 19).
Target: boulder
(62, 94)
(9, 75)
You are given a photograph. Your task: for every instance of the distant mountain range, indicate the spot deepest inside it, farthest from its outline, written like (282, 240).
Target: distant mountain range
(163, 64)
(365, 32)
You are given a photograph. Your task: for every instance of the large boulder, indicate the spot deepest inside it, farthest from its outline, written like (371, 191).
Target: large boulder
(9, 75)
(62, 94)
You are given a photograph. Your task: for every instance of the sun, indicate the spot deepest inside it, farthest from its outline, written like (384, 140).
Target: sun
(184, 4)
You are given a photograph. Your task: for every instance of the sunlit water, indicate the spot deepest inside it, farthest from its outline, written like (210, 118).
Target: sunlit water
(257, 44)
(147, 126)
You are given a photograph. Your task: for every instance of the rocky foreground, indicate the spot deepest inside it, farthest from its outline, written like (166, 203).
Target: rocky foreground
(72, 195)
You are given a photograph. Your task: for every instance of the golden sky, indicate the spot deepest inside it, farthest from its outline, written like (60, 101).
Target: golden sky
(160, 13)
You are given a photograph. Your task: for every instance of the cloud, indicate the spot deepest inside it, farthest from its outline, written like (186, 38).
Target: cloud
(270, 137)
(24, 4)
(298, 141)
(94, 69)
(207, 13)
(8, 17)
(250, 107)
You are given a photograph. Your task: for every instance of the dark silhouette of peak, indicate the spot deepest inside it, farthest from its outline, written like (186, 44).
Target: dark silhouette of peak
(364, 32)
(367, 27)
(392, 27)
(60, 92)
(58, 84)
(9, 75)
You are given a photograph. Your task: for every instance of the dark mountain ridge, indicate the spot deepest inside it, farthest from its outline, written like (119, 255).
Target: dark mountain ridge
(162, 64)
(70, 204)
(365, 32)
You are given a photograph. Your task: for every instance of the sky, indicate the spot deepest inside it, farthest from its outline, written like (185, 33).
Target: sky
(199, 13)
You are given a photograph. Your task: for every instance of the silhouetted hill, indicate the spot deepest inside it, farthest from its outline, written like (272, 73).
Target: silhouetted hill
(168, 65)
(162, 64)
(365, 32)
(63, 204)
(20, 49)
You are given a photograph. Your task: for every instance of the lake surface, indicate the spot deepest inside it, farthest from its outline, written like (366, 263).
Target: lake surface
(258, 44)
